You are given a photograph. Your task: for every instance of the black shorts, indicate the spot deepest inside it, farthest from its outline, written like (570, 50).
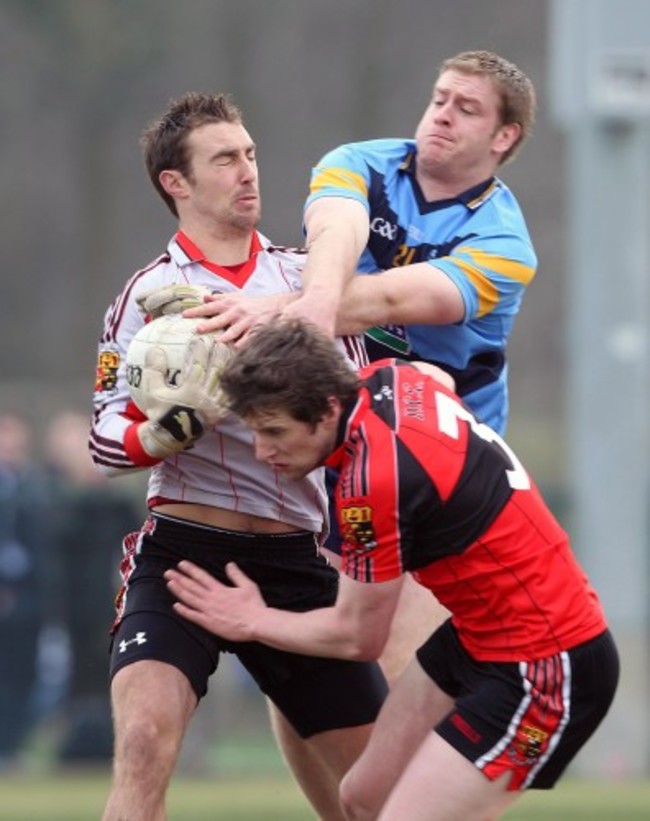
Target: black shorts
(314, 694)
(526, 718)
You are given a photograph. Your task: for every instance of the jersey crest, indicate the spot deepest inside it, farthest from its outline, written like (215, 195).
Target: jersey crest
(357, 527)
(108, 362)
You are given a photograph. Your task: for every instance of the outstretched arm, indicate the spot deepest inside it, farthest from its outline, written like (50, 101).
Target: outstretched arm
(337, 232)
(413, 294)
(355, 628)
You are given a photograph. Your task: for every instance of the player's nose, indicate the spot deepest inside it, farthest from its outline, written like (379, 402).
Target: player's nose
(263, 451)
(442, 112)
(248, 169)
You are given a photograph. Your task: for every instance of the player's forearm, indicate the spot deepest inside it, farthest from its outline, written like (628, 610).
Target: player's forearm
(114, 445)
(337, 232)
(332, 261)
(414, 294)
(363, 303)
(323, 632)
(356, 627)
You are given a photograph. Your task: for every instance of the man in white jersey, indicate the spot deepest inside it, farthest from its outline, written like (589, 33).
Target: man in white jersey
(210, 500)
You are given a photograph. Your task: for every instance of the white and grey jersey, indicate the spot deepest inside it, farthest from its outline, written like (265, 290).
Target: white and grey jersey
(220, 469)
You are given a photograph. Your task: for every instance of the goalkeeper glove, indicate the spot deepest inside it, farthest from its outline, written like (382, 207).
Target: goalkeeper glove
(171, 299)
(179, 414)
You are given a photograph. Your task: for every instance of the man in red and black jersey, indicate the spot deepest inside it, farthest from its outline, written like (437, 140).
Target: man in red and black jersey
(524, 670)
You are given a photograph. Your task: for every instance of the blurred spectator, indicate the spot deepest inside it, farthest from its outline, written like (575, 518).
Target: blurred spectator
(23, 521)
(89, 519)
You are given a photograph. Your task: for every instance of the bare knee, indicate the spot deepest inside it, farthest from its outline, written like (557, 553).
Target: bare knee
(152, 704)
(359, 802)
(145, 739)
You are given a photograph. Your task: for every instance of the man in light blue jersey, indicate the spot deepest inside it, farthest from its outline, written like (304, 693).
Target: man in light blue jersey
(446, 244)
(447, 233)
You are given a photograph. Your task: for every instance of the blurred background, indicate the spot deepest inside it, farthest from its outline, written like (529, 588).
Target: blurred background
(81, 79)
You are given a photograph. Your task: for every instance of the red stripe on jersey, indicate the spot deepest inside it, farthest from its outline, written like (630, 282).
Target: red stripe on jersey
(355, 348)
(283, 271)
(366, 528)
(223, 464)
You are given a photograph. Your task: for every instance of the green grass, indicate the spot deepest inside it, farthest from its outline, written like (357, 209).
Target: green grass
(80, 796)
(246, 780)
(585, 801)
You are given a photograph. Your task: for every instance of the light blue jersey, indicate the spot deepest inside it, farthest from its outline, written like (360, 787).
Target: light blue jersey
(479, 239)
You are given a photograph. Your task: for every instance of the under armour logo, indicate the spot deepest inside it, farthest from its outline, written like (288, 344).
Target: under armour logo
(384, 393)
(140, 638)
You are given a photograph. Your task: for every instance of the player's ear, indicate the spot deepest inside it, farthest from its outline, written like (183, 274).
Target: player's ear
(333, 411)
(173, 183)
(506, 136)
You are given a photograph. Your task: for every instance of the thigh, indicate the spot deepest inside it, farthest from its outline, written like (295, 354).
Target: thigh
(331, 752)
(151, 693)
(438, 782)
(414, 706)
(340, 749)
(319, 763)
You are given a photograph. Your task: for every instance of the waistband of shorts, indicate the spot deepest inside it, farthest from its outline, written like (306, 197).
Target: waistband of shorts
(209, 536)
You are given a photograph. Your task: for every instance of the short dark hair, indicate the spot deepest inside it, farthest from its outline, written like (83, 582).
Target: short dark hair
(164, 140)
(288, 366)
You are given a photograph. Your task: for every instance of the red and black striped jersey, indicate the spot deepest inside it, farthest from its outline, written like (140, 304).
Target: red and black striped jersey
(426, 488)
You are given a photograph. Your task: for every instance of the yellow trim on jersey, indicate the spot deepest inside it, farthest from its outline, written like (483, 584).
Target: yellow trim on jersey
(488, 293)
(339, 178)
(501, 265)
(484, 196)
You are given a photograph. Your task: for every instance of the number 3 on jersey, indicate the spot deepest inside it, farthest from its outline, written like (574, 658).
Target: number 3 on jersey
(449, 412)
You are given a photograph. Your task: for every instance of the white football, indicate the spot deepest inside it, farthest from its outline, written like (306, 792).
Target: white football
(172, 333)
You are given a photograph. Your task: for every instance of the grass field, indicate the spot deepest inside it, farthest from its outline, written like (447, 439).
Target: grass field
(244, 779)
(79, 797)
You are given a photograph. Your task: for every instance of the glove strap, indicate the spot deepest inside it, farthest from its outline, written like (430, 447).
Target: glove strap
(182, 423)
(176, 430)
